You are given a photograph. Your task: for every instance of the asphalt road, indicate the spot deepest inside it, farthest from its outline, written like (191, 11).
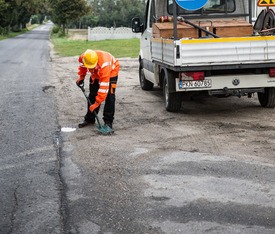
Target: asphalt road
(29, 166)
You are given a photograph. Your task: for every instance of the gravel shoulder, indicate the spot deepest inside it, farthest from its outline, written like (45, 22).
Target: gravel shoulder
(209, 168)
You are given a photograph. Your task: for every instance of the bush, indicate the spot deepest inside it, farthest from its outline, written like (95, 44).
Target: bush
(61, 34)
(16, 28)
(35, 19)
(4, 30)
(55, 29)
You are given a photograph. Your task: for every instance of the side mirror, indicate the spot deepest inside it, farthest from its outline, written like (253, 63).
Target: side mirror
(137, 27)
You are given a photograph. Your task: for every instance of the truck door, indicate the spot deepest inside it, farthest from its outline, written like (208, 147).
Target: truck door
(146, 56)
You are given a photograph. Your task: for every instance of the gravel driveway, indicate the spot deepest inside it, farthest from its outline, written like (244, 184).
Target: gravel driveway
(207, 169)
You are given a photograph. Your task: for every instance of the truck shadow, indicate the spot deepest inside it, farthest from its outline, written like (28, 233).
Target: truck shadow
(208, 105)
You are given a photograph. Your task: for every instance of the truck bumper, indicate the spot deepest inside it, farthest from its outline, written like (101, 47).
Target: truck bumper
(226, 82)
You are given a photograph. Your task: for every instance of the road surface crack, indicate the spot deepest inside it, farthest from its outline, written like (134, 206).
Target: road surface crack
(14, 209)
(62, 193)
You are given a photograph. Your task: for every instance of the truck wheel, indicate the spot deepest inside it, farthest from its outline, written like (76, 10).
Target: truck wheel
(144, 84)
(172, 100)
(267, 99)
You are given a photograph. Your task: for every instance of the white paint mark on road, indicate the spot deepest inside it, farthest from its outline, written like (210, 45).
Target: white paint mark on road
(67, 129)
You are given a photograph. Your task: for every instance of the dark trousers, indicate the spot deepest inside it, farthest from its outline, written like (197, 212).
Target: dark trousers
(109, 107)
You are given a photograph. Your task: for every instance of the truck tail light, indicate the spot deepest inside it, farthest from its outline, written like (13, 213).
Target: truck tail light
(272, 72)
(197, 75)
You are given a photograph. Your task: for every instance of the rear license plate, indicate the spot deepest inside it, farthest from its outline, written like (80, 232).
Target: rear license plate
(193, 84)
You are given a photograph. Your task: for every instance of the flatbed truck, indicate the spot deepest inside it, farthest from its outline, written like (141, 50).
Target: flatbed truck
(216, 50)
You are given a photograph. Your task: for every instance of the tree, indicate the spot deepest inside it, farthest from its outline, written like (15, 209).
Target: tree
(64, 11)
(15, 14)
(117, 13)
(110, 13)
(84, 22)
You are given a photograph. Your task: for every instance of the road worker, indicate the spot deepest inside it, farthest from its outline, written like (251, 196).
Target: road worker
(103, 68)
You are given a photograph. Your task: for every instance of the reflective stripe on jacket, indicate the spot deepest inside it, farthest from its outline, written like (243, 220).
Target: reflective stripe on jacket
(107, 67)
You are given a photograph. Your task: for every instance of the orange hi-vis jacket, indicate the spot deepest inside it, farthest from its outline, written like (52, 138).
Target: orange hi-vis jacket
(107, 67)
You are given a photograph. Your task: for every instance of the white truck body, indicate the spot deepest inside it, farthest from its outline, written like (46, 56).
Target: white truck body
(226, 65)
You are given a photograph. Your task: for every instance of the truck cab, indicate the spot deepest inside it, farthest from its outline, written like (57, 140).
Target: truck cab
(214, 50)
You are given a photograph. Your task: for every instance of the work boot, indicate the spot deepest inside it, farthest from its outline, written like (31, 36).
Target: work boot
(85, 123)
(107, 128)
(110, 125)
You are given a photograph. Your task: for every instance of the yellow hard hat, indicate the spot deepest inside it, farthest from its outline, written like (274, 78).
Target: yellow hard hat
(90, 59)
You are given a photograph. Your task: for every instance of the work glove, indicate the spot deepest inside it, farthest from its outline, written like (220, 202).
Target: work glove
(93, 107)
(79, 82)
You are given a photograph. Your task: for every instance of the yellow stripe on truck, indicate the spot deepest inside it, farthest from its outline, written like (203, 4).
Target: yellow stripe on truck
(227, 39)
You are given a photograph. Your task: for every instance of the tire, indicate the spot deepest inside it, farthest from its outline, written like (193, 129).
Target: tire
(172, 100)
(144, 84)
(269, 19)
(267, 99)
(259, 23)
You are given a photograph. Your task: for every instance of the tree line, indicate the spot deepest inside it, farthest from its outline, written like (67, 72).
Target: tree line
(16, 14)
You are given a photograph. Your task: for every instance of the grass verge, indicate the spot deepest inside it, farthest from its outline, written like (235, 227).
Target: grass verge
(119, 48)
(14, 34)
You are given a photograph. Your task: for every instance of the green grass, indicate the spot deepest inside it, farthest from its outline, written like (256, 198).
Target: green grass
(119, 48)
(65, 47)
(14, 34)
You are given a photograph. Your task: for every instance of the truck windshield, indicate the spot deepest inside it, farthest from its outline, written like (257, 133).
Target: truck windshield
(211, 7)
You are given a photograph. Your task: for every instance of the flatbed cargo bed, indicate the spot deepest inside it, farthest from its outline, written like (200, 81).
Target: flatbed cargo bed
(241, 51)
